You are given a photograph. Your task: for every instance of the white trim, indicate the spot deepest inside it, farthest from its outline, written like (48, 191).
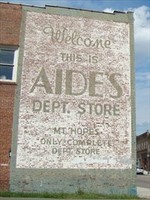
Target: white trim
(15, 63)
(14, 75)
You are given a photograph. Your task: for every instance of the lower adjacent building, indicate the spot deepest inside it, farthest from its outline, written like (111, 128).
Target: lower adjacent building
(143, 150)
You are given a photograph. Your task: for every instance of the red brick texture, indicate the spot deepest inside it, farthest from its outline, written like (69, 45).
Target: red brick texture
(10, 21)
(7, 92)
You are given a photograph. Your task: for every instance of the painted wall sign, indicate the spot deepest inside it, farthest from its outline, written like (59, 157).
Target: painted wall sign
(75, 94)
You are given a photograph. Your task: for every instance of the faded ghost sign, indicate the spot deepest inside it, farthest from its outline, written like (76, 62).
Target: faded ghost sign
(75, 109)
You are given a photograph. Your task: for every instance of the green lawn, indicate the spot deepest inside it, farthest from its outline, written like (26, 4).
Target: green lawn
(79, 195)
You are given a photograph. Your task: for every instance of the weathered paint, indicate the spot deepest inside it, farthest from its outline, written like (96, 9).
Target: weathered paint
(74, 114)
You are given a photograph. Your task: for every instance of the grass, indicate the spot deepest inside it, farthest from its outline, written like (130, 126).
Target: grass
(79, 195)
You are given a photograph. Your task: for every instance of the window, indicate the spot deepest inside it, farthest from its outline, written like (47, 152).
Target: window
(8, 63)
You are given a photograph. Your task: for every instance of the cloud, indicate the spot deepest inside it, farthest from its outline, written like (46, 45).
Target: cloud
(142, 98)
(142, 53)
(143, 76)
(109, 10)
(142, 33)
(142, 101)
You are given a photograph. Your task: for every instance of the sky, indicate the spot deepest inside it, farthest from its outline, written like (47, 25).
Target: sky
(141, 9)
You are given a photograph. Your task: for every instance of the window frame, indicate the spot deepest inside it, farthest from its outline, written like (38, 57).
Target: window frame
(14, 64)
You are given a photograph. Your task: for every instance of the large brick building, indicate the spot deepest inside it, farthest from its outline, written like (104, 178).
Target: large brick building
(67, 114)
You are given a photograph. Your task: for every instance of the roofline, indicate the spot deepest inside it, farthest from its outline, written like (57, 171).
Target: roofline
(19, 4)
(147, 132)
(69, 8)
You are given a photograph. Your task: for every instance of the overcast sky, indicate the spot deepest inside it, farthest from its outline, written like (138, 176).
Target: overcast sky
(141, 9)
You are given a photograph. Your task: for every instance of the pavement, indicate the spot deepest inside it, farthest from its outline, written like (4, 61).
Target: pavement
(143, 192)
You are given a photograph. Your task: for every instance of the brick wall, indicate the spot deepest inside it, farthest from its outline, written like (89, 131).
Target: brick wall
(10, 20)
(7, 92)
